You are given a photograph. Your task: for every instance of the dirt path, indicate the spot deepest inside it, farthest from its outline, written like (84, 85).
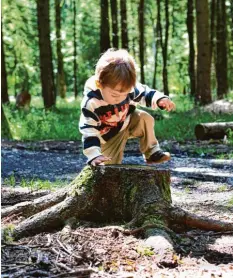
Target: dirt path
(203, 185)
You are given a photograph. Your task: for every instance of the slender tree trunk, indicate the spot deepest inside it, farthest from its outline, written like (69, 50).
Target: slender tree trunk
(212, 28)
(4, 87)
(115, 38)
(190, 27)
(141, 38)
(165, 73)
(46, 66)
(231, 13)
(75, 52)
(61, 86)
(15, 75)
(156, 43)
(164, 43)
(203, 52)
(221, 62)
(104, 27)
(124, 27)
(134, 32)
(5, 129)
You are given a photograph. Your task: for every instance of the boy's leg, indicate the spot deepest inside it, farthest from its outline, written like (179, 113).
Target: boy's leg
(114, 148)
(142, 126)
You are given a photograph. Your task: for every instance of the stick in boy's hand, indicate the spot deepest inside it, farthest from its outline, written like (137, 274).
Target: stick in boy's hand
(99, 160)
(167, 104)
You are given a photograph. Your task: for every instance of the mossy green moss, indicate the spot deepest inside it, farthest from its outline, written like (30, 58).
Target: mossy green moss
(7, 233)
(83, 182)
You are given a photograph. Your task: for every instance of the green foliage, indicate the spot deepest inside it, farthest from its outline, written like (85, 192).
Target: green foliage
(145, 251)
(62, 123)
(33, 184)
(39, 124)
(7, 233)
(10, 181)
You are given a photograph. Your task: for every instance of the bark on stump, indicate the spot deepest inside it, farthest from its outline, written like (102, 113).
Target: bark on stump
(206, 131)
(137, 195)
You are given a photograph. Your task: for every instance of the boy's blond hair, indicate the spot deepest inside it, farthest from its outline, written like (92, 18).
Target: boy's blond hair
(116, 67)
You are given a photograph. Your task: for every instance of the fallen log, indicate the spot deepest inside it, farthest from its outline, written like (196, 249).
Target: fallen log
(137, 195)
(12, 196)
(206, 131)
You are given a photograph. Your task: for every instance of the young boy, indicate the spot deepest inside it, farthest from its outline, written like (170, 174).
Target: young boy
(109, 115)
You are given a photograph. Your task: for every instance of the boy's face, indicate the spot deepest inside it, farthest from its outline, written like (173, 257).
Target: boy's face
(113, 95)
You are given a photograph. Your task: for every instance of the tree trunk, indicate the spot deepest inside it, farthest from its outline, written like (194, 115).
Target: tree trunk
(212, 28)
(141, 38)
(156, 35)
(203, 52)
(124, 27)
(4, 87)
(164, 43)
(231, 13)
(46, 66)
(115, 37)
(190, 28)
(75, 52)
(104, 27)
(5, 129)
(221, 62)
(213, 130)
(139, 195)
(61, 86)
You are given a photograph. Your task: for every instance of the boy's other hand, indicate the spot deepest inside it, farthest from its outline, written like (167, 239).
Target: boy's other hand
(167, 104)
(99, 160)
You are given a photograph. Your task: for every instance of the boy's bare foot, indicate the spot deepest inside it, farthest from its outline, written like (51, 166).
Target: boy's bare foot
(158, 157)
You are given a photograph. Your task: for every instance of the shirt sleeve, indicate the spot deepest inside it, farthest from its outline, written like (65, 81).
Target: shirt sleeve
(146, 96)
(89, 128)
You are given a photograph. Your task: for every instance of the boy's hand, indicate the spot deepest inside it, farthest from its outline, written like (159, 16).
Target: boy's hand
(167, 104)
(99, 160)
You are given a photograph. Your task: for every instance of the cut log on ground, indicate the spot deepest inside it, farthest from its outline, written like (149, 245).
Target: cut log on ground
(137, 195)
(206, 131)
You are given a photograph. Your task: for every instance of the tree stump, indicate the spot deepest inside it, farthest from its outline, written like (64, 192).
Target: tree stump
(137, 195)
(206, 131)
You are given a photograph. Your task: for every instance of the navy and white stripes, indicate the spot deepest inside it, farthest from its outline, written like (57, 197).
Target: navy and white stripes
(100, 121)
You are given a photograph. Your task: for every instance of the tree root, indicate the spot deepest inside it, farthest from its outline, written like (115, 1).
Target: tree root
(139, 194)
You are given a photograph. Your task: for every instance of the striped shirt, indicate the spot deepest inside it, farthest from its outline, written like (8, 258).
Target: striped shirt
(100, 121)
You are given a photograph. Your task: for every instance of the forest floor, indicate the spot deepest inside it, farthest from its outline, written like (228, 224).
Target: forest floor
(200, 183)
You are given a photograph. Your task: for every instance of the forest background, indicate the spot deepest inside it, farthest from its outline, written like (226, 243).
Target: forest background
(49, 49)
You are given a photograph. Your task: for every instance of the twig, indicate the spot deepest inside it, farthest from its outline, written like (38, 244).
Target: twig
(13, 268)
(75, 273)
(62, 265)
(38, 273)
(68, 251)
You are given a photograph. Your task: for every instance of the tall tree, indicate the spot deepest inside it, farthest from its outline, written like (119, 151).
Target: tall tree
(75, 50)
(4, 87)
(203, 52)
(124, 27)
(61, 86)
(115, 38)
(141, 38)
(156, 43)
(164, 42)
(190, 28)
(221, 61)
(231, 7)
(5, 129)
(212, 28)
(46, 66)
(104, 27)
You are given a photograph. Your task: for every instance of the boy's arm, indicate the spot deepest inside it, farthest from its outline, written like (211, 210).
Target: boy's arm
(89, 128)
(146, 96)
